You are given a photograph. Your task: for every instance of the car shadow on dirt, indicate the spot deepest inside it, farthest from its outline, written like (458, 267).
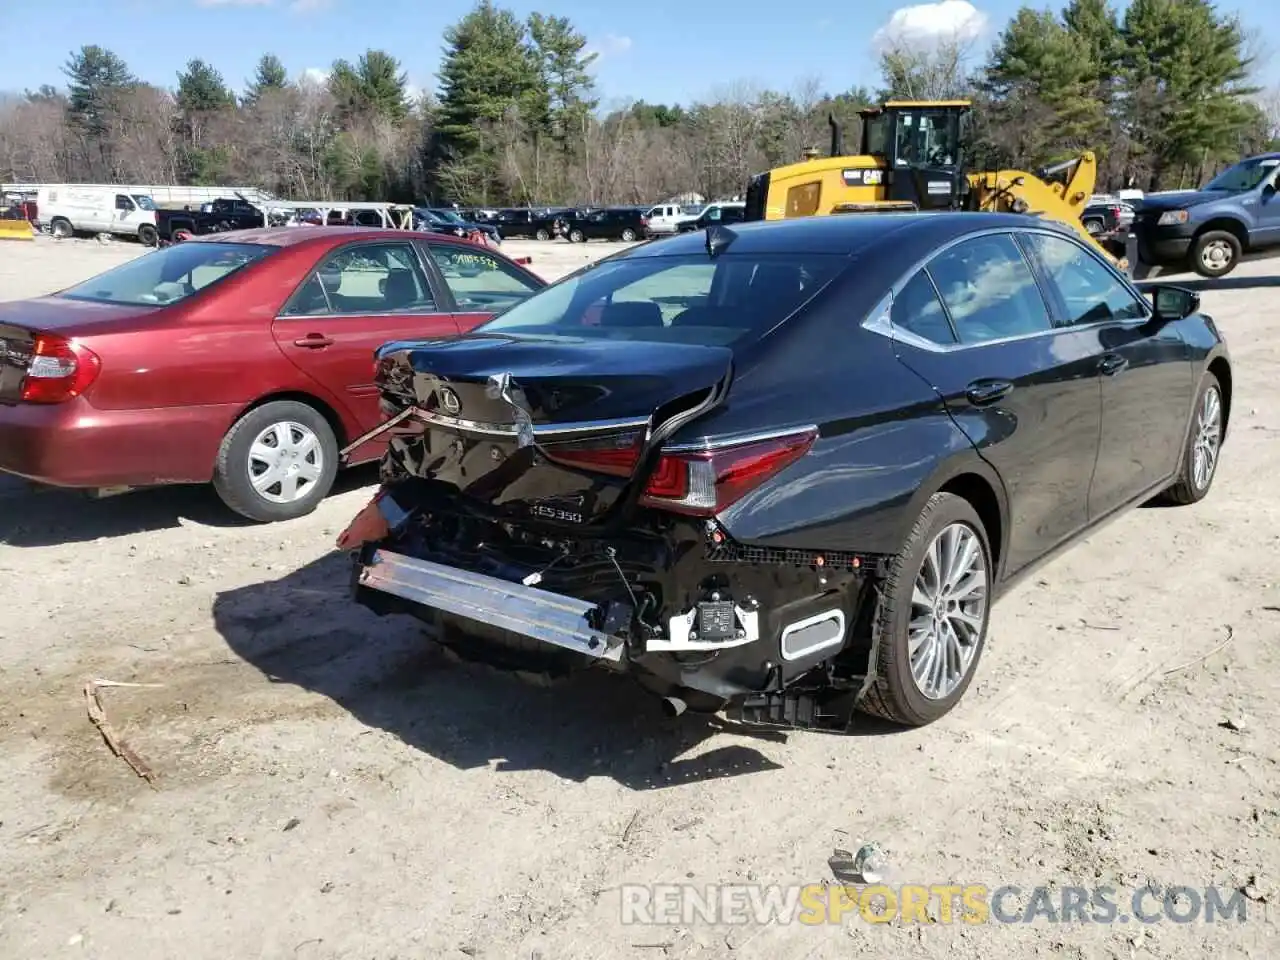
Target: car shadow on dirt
(45, 516)
(304, 630)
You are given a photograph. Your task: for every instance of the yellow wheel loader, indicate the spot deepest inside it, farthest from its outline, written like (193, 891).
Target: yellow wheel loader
(912, 158)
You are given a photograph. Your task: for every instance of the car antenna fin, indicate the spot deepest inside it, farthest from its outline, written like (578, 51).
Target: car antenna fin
(718, 239)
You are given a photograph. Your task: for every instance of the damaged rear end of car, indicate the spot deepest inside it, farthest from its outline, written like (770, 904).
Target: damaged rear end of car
(543, 508)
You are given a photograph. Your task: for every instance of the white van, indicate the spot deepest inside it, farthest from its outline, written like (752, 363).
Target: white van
(71, 209)
(664, 217)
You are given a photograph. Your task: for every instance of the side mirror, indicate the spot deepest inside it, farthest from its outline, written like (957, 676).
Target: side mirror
(1174, 303)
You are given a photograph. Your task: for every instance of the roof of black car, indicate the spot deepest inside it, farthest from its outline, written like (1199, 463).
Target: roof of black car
(841, 233)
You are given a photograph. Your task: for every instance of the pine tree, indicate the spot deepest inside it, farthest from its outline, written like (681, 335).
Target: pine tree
(1186, 76)
(95, 77)
(201, 89)
(1041, 85)
(270, 75)
(564, 97)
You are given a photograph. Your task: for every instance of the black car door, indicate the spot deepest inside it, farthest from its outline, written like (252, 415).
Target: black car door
(1147, 379)
(975, 324)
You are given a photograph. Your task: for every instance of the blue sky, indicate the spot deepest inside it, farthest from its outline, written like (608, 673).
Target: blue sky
(658, 50)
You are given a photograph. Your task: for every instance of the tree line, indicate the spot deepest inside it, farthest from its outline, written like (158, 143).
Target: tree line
(1161, 93)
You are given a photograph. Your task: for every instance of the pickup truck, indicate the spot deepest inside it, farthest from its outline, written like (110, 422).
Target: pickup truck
(1211, 229)
(215, 217)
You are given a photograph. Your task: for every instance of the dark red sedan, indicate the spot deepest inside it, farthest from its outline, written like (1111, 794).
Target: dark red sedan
(245, 359)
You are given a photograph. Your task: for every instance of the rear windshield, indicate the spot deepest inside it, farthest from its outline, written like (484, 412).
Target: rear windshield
(733, 299)
(168, 275)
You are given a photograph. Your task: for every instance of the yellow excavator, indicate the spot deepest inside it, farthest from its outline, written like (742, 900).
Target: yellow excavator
(912, 158)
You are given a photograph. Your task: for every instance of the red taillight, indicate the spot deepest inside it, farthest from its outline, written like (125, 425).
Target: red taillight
(707, 482)
(698, 483)
(59, 370)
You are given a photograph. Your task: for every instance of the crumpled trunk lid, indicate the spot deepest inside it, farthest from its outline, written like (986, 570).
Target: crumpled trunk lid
(545, 431)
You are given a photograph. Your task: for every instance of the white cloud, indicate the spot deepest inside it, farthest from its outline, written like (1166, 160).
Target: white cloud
(925, 23)
(315, 75)
(610, 45)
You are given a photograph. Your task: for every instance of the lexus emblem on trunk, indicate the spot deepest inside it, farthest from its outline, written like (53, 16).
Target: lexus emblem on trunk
(449, 402)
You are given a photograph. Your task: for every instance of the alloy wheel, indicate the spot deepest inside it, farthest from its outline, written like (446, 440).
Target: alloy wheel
(1204, 452)
(948, 611)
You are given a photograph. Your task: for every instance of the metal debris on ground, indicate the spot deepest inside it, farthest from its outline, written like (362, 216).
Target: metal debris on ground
(866, 866)
(118, 745)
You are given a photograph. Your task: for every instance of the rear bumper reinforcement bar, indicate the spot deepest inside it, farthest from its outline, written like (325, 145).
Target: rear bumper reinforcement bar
(549, 617)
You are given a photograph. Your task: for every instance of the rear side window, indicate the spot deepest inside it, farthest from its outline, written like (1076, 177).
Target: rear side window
(733, 299)
(480, 281)
(169, 275)
(989, 290)
(1088, 292)
(918, 310)
(367, 278)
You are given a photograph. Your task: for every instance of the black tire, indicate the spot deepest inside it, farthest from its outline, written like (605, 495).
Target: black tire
(61, 229)
(231, 475)
(147, 235)
(577, 236)
(895, 695)
(1188, 490)
(628, 235)
(542, 234)
(1215, 253)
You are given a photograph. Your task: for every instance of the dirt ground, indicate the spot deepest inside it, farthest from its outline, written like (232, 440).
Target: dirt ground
(329, 786)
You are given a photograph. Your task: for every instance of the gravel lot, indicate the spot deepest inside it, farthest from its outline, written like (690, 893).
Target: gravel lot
(328, 786)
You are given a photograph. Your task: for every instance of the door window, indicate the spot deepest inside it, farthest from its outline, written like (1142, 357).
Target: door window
(1088, 291)
(123, 202)
(989, 290)
(918, 310)
(480, 281)
(371, 278)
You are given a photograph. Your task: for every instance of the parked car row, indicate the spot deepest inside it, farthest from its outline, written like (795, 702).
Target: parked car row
(626, 223)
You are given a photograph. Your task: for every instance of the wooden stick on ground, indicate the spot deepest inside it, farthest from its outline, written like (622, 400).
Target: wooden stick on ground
(99, 718)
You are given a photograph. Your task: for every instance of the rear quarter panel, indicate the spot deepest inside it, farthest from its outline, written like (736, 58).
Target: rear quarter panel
(886, 444)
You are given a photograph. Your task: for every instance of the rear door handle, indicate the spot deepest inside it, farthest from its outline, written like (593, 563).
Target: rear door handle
(1112, 364)
(314, 341)
(983, 392)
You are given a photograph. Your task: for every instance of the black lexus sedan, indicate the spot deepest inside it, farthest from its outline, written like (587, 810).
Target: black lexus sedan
(784, 468)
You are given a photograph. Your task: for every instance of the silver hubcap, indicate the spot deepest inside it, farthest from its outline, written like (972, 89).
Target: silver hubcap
(1216, 255)
(1093, 227)
(1204, 455)
(948, 608)
(285, 462)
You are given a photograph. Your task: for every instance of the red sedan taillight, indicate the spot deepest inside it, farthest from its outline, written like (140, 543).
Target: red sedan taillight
(59, 370)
